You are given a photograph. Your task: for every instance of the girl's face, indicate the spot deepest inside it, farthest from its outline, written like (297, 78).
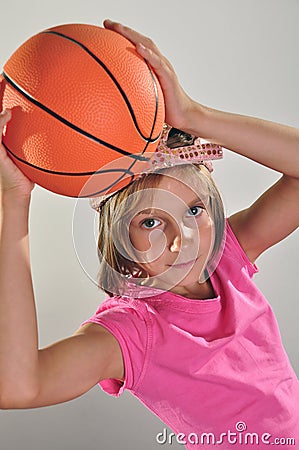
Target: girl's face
(172, 236)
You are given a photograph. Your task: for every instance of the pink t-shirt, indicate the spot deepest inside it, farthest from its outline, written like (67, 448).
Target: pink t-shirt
(215, 370)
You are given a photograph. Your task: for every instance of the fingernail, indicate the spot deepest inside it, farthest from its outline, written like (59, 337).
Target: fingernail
(4, 113)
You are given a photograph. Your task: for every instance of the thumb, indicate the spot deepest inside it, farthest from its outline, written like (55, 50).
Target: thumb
(5, 117)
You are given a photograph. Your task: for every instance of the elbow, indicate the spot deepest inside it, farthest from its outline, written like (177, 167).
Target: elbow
(16, 400)
(291, 179)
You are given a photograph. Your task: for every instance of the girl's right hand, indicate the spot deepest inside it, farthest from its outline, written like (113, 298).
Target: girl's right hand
(12, 181)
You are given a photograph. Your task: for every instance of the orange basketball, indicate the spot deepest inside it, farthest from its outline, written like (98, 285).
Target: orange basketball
(82, 100)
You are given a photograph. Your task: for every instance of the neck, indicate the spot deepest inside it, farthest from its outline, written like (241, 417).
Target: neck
(200, 291)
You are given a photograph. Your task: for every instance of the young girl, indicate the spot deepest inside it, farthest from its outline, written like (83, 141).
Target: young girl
(184, 328)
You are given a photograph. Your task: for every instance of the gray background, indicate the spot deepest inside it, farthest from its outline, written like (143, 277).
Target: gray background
(235, 55)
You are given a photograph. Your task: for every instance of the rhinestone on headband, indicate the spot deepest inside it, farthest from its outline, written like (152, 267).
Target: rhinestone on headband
(169, 152)
(175, 147)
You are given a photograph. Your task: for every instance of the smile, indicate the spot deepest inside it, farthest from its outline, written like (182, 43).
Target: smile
(186, 264)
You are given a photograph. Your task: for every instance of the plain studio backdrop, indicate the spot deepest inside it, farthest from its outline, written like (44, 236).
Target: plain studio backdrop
(236, 55)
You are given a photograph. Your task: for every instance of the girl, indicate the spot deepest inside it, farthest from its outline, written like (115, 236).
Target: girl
(184, 327)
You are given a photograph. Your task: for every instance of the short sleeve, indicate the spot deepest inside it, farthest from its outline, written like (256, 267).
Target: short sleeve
(238, 252)
(130, 326)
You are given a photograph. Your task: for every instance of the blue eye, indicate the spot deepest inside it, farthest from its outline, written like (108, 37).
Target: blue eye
(195, 211)
(150, 223)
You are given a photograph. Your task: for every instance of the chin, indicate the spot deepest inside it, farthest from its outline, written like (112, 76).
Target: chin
(190, 278)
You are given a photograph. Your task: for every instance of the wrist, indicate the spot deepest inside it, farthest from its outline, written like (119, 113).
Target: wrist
(14, 217)
(198, 120)
(13, 201)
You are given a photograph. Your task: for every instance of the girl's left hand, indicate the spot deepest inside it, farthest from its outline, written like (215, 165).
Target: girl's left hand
(178, 105)
(13, 183)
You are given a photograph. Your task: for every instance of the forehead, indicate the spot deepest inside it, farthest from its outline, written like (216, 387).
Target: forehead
(176, 186)
(171, 195)
(185, 189)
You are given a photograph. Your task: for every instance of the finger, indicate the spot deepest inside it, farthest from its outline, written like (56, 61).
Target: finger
(2, 88)
(162, 67)
(151, 57)
(5, 117)
(144, 46)
(130, 34)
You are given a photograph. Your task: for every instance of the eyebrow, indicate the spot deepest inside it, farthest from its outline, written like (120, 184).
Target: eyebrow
(146, 211)
(154, 210)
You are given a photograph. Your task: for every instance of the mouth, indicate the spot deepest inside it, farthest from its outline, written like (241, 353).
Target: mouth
(185, 264)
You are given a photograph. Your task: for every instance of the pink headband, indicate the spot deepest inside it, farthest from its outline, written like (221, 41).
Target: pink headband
(175, 147)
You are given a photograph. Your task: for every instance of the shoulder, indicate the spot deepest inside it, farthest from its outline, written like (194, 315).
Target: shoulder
(104, 346)
(126, 319)
(126, 326)
(234, 254)
(120, 307)
(236, 224)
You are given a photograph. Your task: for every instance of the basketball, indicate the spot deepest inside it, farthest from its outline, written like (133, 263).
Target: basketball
(87, 110)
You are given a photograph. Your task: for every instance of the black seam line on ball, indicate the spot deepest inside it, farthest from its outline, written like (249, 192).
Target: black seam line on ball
(91, 194)
(103, 191)
(125, 172)
(113, 79)
(157, 98)
(69, 124)
(73, 174)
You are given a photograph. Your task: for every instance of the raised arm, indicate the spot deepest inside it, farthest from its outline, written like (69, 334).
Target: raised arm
(30, 377)
(275, 214)
(268, 143)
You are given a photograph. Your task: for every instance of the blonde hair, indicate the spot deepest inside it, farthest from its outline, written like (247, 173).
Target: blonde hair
(116, 256)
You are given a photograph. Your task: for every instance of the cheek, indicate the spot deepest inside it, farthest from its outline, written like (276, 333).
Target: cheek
(207, 234)
(137, 239)
(154, 244)
(149, 245)
(138, 243)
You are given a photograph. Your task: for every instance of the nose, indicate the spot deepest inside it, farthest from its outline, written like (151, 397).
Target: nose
(175, 245)
(181, 239)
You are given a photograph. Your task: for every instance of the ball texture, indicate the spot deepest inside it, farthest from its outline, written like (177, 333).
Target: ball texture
(87, 110)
